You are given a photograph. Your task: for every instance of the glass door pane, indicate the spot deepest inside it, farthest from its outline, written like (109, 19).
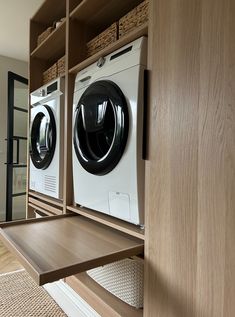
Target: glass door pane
(20, 151)
(21, 95)
(19, 180)
(17, 147)
(19, 207)
(20, 123)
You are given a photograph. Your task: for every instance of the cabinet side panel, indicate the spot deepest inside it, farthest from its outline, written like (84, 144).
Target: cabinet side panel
(190, 216)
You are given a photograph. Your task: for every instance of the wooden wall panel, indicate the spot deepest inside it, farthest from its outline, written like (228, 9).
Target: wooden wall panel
(190, 212)
(214, 140)
(229, 281)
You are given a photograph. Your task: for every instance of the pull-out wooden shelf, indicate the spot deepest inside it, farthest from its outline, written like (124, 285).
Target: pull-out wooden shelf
(55, 247)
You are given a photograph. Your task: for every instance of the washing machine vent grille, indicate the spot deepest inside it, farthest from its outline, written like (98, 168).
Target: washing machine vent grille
(50, 183)
(124, 279)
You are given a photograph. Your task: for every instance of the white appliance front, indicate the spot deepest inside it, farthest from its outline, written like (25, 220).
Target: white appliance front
(46, 141)
(119, 192)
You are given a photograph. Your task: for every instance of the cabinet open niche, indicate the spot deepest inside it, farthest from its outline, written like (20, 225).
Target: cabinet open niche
(52, 46)
(36, 200)
(46, 199)
(105, 303)
(89, 19)
(69, 239)
(47, 40)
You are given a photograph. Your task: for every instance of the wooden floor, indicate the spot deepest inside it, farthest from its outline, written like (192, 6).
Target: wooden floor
(8, 262)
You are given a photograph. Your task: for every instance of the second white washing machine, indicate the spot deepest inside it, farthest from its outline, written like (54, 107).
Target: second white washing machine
(108, 114)
(46, 139)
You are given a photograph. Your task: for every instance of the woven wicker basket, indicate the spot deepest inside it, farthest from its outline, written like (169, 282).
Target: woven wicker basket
(124, 279)
(50, 74)
(134, 18)
(44, 35)
(103, 39)
(61, 66)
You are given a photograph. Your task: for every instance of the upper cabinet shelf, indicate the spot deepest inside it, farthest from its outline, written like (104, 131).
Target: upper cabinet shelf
(50, 11)
(89, 19)
(103, 12)
(138, 32)
(53, 46)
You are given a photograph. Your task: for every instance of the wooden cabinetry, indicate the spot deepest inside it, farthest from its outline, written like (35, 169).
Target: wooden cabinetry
(84, 20)
(190, 215)
(57, 247)
(189, 236)
(45, 54)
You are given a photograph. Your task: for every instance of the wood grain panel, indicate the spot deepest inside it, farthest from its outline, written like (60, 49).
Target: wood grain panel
(50, 11)
(229, 281)
(45, 206)
(103, 12)
(73, 42)
(45, 198)
(216, 161)
(133, 35)
(109, 221)
(39, 210)
(55, 247)
(190, 237)
(105, 303)
(53, 46)
(35, 29)
(37, 67)
(171, 221)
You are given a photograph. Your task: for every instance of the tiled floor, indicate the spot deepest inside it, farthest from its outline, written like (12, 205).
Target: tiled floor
(8, 262)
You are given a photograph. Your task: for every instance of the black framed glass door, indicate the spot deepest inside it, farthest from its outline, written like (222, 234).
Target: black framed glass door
(16, 147)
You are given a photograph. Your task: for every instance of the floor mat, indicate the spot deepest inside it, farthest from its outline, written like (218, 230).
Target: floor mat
(20, 296)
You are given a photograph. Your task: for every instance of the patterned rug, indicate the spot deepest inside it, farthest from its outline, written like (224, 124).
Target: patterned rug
(20, 296)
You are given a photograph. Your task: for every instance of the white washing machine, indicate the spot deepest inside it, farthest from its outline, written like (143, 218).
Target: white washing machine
(46, 139)
(108, 111)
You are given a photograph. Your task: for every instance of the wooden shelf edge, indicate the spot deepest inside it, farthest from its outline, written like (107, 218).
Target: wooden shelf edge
(48, 199)
(33, 241)
(60, 29)
(47, 213)
(81, 8)
(109, 221)
(22, 257)
(33, 220)
(45, 206)
(50, 11)
(105, 303)
(73, 13)
(138, 32)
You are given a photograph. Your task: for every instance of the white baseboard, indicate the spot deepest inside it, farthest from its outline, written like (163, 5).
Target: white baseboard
(69, 301)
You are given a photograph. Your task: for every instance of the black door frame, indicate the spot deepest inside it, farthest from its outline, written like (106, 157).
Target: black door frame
(12, 77)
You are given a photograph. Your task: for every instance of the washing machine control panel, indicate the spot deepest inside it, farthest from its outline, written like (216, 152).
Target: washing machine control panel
(42, 93)
(100, 62)
(52, 87)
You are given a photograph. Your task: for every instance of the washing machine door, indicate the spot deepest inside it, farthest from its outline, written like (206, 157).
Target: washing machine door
(101, 127)
(43, 137)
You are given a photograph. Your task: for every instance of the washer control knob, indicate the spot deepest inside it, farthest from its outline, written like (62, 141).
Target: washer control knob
(101, 62)
(42, 93)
